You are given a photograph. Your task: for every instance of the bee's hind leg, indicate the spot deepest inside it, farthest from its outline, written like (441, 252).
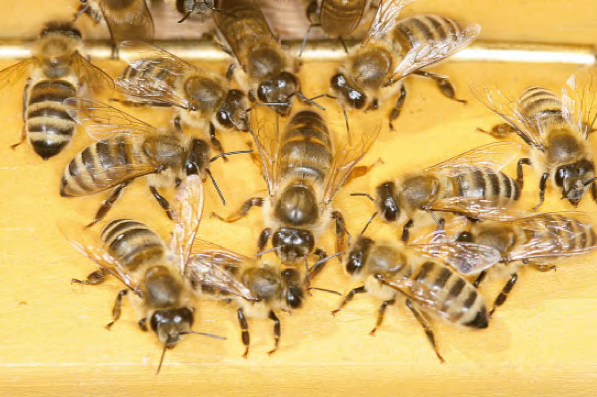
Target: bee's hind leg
(242, 212)
(381, 312)
(117, 309)
(244, 326)
(443, 83)
(426, 326)
(108, 203)
(94, 278)
(277, 331)
(161, 201)
(501, 298)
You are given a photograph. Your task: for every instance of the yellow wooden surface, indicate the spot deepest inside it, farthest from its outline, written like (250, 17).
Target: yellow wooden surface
(543, 341)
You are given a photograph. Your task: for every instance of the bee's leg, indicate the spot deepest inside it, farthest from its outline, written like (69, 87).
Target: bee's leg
(161, 201)
(500, 131)
(542, 186)
(215, 141)
(443, 83)
(230, 71)
(244, 326)
(341, 233)
(479, 279)
(361, 170)
(311, 26)
(116, 310)
(143, 324)
(277, 331)
(406, 230)
(242, 212)
(499, 301)
(341, 40)
(426, 326)
(108, 203)
(541, 267)
(519, 173)
(397, 106)
(94, 278)
(263, 238)
(348, 298)
(381, 313)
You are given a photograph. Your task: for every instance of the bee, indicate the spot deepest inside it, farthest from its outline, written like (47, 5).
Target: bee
(337, 18)
(556, 131)
(148, 267)
(258, 288)
(394, 49)
(262, 69)
(536, 240)
(391, 270)
(303, 171)
(56, 71)
(470, 184)
(126, 19)
(203, 99)
(126, 149)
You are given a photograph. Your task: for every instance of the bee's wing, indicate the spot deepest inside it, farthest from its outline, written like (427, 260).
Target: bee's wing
(187, 212)
(465, 258)
(267, 142)
(102, 121)
(426, 298)
(152, 62)
(494, 208)
(346, 159)
(91, 76)
(433, 51)
(15, 73)
(579, 105)
(494, 155)
(89, 244)
(213, 266)
(134, 24)
(385, 19)
(508, 107)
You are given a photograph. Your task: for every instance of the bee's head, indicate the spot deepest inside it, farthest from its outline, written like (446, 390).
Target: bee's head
(292, 288)
(171, 324)
(280, 90)
(356, 259)
(294, 244)
(342, 88)
(574, 180)
(233, 114)
(387, 202)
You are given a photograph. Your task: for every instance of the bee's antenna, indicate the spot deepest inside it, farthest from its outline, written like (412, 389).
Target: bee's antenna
(587, 183)
(163, 354)
(369, 222)
(310, 100)
(202, 333)
(188, 14)
(214, 158)
(327, 258)
(331, 291)
(268, 251)
(218, 10)
(364, 195)
(306, 37)
(216, 186)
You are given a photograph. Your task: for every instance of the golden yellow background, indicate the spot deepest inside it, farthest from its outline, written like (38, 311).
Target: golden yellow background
(542, 342)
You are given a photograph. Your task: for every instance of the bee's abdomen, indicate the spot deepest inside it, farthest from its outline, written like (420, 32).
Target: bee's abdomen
(49, 127)
(425, 30)
(133, 243)
(98, 167)
(146, 75)
(248, 21)
(455, 299)
(340, 17)
(486, 183)
(542, 105)
(306, 150)
(569, 235)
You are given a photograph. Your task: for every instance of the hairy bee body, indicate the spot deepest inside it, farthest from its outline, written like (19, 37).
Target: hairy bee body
(338, 18)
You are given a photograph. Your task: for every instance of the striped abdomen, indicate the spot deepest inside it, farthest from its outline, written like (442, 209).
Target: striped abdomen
(451, 296)
(487, 183)
(566, 235)
(48, 125)
(542, 105)
(100, 166)
(427, 30)
(306, 147)
(341, 17)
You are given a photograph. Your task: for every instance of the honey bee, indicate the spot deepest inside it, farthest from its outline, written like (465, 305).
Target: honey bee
(470, 184)
(389, 270)
(155, 76)
(556, 131)
(128, 148)
(262, 69)
(303, 171)
(152, 271)
(537, 241)
(394, 49)
(56, 71)
(258, 288)
(126, 19)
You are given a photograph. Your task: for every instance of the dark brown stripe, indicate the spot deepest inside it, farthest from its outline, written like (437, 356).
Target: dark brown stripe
(51, 129)
(456, 289)
(442, 278)
(424, 271)
(494, 182)
(48, 112)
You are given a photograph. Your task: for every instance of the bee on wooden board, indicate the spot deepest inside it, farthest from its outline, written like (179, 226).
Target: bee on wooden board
(556, 131)
(394, 49)
(258, 288)
(262, 68)
(470, 184)
(152, 271)
(537, 241)
(56, 71)
(390, 271)
(126, 149)
(304, 169)
(203, 99)
(126, 19)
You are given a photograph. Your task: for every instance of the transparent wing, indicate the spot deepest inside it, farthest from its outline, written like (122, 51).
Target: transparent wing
(152, 62)
(91, 76)
(495, 208)
(102, 121)
(89, 244)
(346, 159)
(418, 292)
(434, 51)
(385, 19)
(187, 211)
(579, 104)
(267, 142)
(494, 155)
(13, 74)
(134, 24)
(508, 107)
(465, 258)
